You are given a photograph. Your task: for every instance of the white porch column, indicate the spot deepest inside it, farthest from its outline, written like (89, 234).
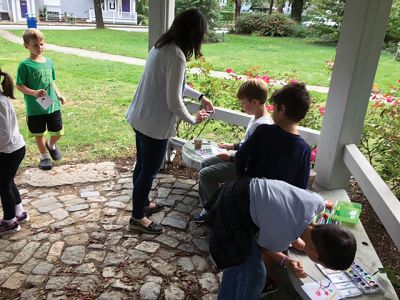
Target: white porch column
(31, 7)
(12, 7)
(161, 15)
(357, 56)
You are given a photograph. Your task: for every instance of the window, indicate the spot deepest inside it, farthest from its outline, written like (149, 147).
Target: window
(111, 4)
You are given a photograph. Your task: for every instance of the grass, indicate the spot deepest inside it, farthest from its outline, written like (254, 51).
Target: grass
(98, 94)
(279, 57)
(132, 44)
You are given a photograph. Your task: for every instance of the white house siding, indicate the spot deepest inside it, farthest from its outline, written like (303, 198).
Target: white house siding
(4, 14)
(3, 5)
(14, 9)
(78, 8)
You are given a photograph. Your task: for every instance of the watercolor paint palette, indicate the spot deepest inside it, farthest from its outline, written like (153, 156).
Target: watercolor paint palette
(363, 280)
(342, 282)
(353, 282)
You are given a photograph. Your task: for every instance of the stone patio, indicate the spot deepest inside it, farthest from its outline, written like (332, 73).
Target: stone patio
(77, 244)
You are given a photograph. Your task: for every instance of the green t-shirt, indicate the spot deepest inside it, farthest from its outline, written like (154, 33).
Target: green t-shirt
(36, 76)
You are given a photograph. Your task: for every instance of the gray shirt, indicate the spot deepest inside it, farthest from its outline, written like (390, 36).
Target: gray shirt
(158, 101)
(10, 138)
(281, 212)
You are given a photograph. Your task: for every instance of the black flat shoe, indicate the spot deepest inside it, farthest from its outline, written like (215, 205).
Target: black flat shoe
(152, 210)
(152, 228)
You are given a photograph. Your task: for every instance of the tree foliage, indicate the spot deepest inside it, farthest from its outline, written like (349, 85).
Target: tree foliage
(333, 10)
(210, 9)
(327, 16)
(393, 29)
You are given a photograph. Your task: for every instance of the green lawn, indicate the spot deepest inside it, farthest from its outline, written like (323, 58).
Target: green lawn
(98, 94)
(278, 57)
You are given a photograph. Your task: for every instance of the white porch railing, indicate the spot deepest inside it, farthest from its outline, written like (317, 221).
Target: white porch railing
(114, 16)
(381, 198)
(233, 117)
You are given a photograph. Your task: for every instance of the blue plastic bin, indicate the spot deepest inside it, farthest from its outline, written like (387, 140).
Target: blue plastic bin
(31, 21)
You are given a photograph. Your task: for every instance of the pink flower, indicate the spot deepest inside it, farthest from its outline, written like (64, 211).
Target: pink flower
(313, 155)
(389, 99)
(322, 110)
(398, 81)
(293, 81)
(228, 70)
(266, 79)
(270, 108)
(396, 103)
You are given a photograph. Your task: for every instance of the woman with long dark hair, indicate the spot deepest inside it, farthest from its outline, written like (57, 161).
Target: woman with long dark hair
(157, 105)
(12, 152)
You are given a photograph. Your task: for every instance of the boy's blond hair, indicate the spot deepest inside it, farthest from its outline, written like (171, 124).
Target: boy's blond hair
(32, 34)
(253, 89)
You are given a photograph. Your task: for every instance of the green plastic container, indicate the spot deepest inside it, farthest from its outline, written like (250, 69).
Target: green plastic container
(348, 212)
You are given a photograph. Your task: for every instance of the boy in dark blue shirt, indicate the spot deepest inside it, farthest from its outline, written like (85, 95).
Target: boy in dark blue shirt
(278, 151)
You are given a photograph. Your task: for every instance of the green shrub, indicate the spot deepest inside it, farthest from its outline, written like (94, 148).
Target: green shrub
(142, 20)
(265, 25)
(300, 31)
(213, 37)
(227, 16)
(380, 141)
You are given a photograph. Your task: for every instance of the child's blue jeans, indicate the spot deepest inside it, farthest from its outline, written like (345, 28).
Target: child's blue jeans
(245, 281)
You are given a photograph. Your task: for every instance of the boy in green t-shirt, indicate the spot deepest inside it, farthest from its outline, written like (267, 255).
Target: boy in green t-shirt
(35, 79)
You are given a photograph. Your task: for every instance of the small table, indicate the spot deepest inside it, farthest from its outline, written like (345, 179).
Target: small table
(189, 155)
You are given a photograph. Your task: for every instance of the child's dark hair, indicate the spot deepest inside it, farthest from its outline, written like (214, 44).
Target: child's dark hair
(296, 99)
(336, 246)
(253, 89)
(7, 85)
(187, 32)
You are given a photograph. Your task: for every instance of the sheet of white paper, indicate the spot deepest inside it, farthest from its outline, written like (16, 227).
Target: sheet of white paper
(324, 291)
(45, 101)
(208, 151)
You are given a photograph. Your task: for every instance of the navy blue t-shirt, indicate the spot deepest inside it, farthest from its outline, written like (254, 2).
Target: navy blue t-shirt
(273, 153)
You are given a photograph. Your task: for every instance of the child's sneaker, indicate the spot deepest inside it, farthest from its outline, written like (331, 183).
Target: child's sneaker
(201, 218)
(54, 153)
(23, 218)
(6, 228)
(45, 164)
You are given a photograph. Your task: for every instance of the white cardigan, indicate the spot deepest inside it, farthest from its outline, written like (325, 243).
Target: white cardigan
(10, 138)
(158, 101)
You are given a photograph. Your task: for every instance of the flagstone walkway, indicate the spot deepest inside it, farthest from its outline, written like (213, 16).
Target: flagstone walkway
(77, 244)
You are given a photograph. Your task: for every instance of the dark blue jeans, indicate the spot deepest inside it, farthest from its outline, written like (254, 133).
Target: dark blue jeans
(9, 193)
(149, 157)
(244, 281)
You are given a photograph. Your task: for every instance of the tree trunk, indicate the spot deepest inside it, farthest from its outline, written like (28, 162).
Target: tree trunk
(238, 6)
(280, 8)
(98, 14)
(297, 10)
(271, 6)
